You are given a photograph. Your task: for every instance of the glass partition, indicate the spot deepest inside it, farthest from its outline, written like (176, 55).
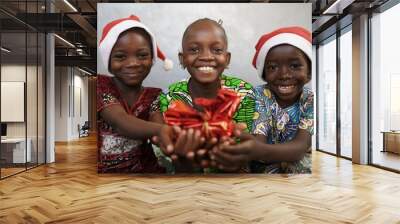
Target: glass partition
(13, 95)
(385, 89)
(327, 96)
(22, 77)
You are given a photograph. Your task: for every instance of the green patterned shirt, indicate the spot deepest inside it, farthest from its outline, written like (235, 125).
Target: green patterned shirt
(180, 91)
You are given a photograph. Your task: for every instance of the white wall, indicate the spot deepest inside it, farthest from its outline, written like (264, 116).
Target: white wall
(82, 83)
(61, 103)
(80, 110)
(70, 83)
(13, 73)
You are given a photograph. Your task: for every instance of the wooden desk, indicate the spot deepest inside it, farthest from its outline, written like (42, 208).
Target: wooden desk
(15, 148)
(391, 141)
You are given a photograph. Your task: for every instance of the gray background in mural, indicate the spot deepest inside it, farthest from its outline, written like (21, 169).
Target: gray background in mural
(244, 24)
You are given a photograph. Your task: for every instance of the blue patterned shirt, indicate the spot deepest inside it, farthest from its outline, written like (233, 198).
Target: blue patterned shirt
(280, 125)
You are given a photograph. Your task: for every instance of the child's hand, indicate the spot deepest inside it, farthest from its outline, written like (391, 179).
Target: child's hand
(202, 155)
(187, 143)
(165, 138)
(185, 150)
(184, 145)
(229, 156)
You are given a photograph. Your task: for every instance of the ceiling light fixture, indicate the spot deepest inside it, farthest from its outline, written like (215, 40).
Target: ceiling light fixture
(84, 71)
(70, 5)
(80, 51)
(337, 7)
(5, 50)
(64, 40)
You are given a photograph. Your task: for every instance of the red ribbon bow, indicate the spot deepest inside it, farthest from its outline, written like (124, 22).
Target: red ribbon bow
(214, 121)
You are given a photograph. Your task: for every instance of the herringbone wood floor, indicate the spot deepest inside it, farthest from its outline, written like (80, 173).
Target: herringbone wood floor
(70, 191)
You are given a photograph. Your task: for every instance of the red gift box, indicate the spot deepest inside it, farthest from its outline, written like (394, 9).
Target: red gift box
(215, 119)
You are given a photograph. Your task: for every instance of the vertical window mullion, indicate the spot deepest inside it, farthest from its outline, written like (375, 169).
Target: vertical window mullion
(369, 78)
(317, 95)
(26, 86)
(338, 73)
(37, 90)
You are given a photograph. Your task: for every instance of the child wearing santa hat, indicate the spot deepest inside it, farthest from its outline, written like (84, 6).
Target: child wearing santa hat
(283, 121)
(205, 56)
(128, 50)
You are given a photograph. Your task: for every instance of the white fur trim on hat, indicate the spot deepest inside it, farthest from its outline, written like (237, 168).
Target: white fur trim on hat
(110, 39)
(283, 38)
(168, 64)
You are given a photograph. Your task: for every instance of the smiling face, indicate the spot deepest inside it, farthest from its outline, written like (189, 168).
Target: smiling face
(287, 70)
(204, 51)
(131, 57)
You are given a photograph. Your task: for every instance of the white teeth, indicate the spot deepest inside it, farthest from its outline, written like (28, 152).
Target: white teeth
(286, 87)
(205, 69)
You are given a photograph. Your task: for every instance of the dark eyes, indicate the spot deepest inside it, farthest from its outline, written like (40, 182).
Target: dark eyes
(140, 55)
(294, 66)
(143, 55)
(193, 50)
(218, 50)
(119, 56)
(197, 50)
(271, 67)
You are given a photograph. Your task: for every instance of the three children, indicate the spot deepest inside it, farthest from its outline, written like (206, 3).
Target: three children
(282, 108)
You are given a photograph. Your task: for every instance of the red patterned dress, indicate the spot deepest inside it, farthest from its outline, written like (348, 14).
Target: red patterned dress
(117, 153)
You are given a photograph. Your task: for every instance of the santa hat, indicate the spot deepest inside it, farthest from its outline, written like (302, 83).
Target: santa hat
(295, 36)
(112, 31)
